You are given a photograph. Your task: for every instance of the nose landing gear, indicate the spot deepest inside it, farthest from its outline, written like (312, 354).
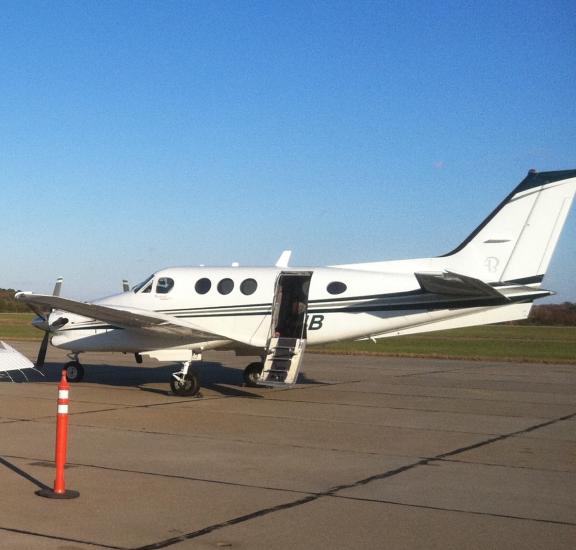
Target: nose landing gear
(74, 370)
(185, 382)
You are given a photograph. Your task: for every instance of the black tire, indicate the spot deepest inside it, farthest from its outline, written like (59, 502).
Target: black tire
(188, 387)
(74, 371)
(252, 374)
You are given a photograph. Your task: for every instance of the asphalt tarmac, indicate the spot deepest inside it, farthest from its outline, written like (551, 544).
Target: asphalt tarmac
(366, 452)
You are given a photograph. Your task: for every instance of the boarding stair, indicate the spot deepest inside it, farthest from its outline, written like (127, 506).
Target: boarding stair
(282, 361)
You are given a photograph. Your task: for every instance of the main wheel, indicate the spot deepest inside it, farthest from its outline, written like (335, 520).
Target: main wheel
(74, 371)
(189, 386)
(252, 374)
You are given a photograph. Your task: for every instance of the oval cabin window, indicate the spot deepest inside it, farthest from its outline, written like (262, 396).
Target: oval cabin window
(203, 286)
(248, 286)
(336, 287)
(225, 286)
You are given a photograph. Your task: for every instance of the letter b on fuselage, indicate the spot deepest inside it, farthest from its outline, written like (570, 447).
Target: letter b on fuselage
(315, 322)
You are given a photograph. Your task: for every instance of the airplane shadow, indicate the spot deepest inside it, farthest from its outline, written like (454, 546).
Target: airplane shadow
(214, 376)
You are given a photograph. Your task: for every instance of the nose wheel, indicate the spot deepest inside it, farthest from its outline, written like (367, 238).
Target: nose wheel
(74, 371)
(185, 382)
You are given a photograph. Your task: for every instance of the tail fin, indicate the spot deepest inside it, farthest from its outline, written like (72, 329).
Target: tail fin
(516, 242)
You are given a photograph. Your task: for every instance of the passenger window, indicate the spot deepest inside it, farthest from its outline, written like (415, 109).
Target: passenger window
(248, 286)
(203, 285)
(336, 287)
(225, 286)
(164, 285)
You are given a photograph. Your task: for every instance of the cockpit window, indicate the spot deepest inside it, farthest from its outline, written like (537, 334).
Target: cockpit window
(143, 284)
(164, 285)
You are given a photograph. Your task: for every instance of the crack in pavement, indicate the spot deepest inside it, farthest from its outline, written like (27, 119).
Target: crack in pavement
(332, 492)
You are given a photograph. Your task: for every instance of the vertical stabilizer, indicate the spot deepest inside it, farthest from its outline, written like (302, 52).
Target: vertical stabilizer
(517, 240)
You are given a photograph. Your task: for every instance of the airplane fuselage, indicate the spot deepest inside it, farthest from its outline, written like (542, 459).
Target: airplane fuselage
(343, 304)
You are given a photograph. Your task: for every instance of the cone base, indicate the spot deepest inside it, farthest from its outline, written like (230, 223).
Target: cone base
(49, 493)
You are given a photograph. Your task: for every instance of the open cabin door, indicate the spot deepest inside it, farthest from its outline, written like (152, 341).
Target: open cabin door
(287, 336)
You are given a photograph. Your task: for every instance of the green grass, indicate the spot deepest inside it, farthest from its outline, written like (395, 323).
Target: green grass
(497, 342)
(16, 326)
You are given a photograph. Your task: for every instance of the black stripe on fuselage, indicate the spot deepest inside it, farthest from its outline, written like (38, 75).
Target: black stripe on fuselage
(248, 309)
(268, 305)
(401, 306)
(371, 308)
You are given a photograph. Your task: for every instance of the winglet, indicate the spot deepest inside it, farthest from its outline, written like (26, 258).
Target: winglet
(284, 259)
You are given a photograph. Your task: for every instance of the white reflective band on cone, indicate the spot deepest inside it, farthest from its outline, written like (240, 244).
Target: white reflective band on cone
(62, 409)
(63, 394)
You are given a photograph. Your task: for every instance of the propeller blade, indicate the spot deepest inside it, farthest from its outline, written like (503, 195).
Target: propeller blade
(41, 323)
(40, 314)
(42, 351)
(57, 287)
(44, 315)
(125, 285)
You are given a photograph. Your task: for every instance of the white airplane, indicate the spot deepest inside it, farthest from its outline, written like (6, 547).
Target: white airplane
(178, 313)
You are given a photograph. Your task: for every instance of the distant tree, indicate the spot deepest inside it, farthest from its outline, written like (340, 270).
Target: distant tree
(8, 304)
(553, 314)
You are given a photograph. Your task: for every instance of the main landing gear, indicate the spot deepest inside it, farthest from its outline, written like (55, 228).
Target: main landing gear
(185, 382)
(74, 370)
(252, 374)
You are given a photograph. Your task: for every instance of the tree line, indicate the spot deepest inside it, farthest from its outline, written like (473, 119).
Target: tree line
(545, 314)
(8, 304)
(552, 314)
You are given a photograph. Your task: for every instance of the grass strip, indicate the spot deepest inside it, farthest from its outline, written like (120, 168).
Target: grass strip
(517, 343)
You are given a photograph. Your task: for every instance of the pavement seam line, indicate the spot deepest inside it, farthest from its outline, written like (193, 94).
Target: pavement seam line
(442, 509)
(64, 539)
(332, 492)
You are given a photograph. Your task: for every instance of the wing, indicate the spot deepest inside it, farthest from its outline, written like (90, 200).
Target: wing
(122, 317)
(11, 359)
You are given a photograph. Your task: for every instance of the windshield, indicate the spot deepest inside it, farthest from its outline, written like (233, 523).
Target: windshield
(140, 286)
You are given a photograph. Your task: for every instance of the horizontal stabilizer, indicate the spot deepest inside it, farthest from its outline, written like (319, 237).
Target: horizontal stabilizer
(453, 284)
(11, 359)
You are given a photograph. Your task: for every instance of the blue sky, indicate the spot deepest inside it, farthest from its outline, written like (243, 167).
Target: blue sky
(138, 135)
